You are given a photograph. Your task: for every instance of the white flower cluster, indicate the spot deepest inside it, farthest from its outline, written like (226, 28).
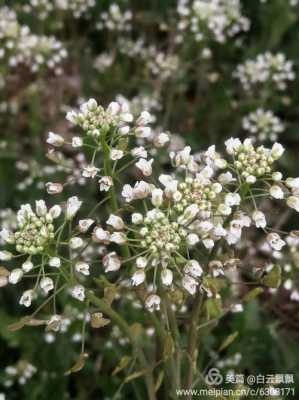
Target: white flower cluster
(250, 162)
(19, 46)
(94, 119)
(204, 208)
(263, 125)
(115, 19)
(35, 229)
(43, 8)
(267, 68)
(19, 373)
(161, 64)
(219, 19)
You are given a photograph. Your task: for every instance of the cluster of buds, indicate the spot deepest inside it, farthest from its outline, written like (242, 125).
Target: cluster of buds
(263, 125)
(268, 68)
(250, 162)
(221, 19)
(95, 119)
(115, 19)
(35, 229)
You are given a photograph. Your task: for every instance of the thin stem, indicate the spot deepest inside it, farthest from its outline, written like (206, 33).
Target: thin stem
(122, 324)
(193, 337)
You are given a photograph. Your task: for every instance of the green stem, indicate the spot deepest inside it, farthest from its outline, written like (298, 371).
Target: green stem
(193, 339)
(122, 324)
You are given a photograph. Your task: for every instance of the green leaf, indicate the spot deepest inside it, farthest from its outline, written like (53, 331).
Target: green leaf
(159, 380)
(252, 294)
(168, 346)
(79, 364)
(123, 363)
(273, 278)
(135, 375)
(214, 308)
(136, 330)
(228, 341)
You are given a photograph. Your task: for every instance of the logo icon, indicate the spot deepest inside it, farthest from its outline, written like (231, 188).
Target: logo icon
(213, 377)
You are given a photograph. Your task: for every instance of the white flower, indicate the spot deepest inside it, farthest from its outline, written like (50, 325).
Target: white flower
(54, 188)
(116, 154)
(90, 171)
(275, 241)
(71, 116)
(224, 209)
(226, 178)
(26, 298)
(7, 236)
(277, 151)
(113, 108)
(137, 218)
(85, 224)
(72, 207)
(76, 243)
(118, 237)
(295, 295)
(259, 219)
(162, 139)
(232, 199)
(192, 239)
(208, 243)
(111, 262)
(166, 277)
(55, 211)
(46, 284)
(54, 323)
(100, 235)
(27, 266)
(77, 142)
(292, 202)
(144, 118)
(5, 255)
(152, 302)
(116, 222)
(190, 212)
(143, 132)
(139, 152)
(141, 190)
(138, 277)
(141, 262)
(128, 193)
(41, 208)
(55, 262)
(157, 197)
(190, 284)
(232, 145)
(276, 192)
(293, 183)
(78, 292)
(105, 183)
(15, 276)
(82, 268)
(277, 176)
(193, 268)
(236, 308)
(54, 139)
(145, 166)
